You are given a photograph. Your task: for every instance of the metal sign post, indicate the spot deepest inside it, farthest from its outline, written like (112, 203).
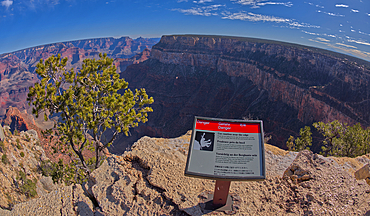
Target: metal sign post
(221, 193)
(226, 150)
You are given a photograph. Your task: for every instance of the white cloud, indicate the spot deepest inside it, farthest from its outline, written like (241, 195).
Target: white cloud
(287, 4)
(359, 42)
(368, 14)
(7, 3)
(319, 6)
(304, 25)
(354, 11)
(346, 45)
(254, 17)
(246, 2)
(258, 3)
(330, 14)
(341, 5)
(363, 33)
(202, 1)
(318, 41)
(249, 16)
(201, 11)
(322, 39)
(34, 4)
(310, 33)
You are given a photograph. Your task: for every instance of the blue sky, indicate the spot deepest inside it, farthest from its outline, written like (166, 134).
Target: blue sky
(340, 25)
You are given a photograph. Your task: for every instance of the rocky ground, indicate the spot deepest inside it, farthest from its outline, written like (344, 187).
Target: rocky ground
(149, 180)
(21, 154)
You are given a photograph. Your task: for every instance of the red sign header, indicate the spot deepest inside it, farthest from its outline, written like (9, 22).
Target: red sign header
(224, 126)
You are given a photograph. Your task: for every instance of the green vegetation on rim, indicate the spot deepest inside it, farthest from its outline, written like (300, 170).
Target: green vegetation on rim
(340, 140)
(89, 104)
(27, 186)
(4, 159)
(2, 147)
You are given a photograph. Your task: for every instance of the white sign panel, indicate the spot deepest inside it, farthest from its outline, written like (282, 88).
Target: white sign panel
(226, 149)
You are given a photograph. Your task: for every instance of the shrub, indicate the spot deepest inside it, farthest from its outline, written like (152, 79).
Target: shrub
(16, 132)
(4, 159)
(27, 186)
(19, 146)
(22, 154)
(338, 139)
(2, 147)
(343, 141)
(26, 137)
(300, 143)
(60, 172)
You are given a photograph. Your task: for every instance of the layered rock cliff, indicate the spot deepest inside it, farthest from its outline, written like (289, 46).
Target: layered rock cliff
(149, 180)
(286, 85)
(17, 69)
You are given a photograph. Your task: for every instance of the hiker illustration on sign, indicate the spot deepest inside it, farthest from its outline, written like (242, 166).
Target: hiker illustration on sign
(204, 141)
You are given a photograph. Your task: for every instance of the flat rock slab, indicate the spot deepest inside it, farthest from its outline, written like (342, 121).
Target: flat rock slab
(68, 200)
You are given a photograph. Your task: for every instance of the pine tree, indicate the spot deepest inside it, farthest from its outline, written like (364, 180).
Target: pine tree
(87, 103)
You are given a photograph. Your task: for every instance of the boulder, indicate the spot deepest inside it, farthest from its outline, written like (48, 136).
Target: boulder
(2, 135)
(363, 173)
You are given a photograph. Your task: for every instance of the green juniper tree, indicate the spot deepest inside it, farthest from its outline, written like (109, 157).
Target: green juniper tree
(338, 139)
(332, 133)
(342, 140)
(87, 104)
(300, 143)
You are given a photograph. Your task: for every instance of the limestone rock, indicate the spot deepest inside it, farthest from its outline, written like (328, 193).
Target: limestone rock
(363, 173)
(149, 179)
(63, 201)
(2, 135)
(47, 183)
(21, 155)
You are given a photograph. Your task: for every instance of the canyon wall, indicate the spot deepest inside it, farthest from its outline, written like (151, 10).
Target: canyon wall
(17, 69)
(286, 85)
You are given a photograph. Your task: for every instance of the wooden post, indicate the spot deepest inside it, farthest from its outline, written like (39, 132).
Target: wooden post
(221, 193)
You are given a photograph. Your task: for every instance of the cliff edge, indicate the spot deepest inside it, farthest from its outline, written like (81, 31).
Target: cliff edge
(149, 180)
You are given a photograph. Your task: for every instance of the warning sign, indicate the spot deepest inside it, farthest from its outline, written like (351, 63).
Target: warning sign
(226, 149)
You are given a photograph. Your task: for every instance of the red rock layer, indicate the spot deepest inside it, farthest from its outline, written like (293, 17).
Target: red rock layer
(286, 85)
(17, 68)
